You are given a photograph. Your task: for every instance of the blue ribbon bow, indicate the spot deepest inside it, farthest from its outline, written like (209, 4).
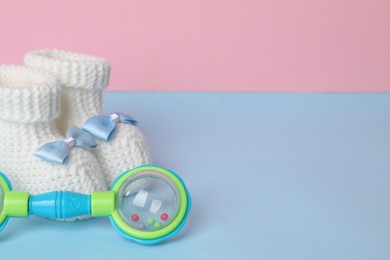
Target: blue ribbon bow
(103, 127)
(58, 152)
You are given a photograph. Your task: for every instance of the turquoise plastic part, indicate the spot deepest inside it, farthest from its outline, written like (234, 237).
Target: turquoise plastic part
(7, 180)
(60, 205)
(2, 226)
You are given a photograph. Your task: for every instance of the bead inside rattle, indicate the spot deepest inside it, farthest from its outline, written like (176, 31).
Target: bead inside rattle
(148, 201)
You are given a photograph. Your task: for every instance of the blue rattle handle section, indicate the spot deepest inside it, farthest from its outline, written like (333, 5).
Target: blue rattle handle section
(60, 204)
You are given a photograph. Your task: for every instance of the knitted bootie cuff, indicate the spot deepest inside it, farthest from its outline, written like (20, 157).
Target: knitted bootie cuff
(72, 69)
(27, 95)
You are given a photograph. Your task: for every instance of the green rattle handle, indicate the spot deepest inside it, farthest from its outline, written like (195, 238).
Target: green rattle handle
(16, 204)
(102, 203)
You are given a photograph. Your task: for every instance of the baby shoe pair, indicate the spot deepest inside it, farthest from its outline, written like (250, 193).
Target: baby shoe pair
(43, 107)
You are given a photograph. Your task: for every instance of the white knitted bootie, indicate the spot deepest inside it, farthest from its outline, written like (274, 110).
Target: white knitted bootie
(29, 103)
(83, 79)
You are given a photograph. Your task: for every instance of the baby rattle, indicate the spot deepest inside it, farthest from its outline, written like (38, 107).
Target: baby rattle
(147, 204)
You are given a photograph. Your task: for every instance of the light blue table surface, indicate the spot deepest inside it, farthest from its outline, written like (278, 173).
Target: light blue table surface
(272, 176)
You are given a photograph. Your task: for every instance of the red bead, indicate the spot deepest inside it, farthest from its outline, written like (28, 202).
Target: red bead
(164, 216)
(135, 218)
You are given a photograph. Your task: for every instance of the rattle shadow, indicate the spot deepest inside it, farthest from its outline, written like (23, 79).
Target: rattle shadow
(17, 228)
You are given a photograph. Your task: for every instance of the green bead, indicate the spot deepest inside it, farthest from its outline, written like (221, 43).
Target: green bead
(150, 221)
(157, 224)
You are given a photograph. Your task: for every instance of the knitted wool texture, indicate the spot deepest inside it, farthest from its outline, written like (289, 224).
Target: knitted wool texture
(83, 78)
(29, 103)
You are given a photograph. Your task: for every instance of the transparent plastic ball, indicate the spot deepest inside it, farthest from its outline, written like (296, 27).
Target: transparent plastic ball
(148, 201)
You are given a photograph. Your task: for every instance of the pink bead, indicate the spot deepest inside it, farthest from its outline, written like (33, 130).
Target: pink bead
(134, 217)
(164, 216)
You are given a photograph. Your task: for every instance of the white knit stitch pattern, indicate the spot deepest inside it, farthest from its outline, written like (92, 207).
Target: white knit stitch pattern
(126, 150)
(76, 105)
(72, 69)
(19, 103)
(29, 126)
(83, 78)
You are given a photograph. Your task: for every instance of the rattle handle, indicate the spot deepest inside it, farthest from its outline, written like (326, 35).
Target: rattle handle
(60, 204)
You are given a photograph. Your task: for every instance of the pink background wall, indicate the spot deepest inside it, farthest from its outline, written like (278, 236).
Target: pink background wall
(213, 45)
